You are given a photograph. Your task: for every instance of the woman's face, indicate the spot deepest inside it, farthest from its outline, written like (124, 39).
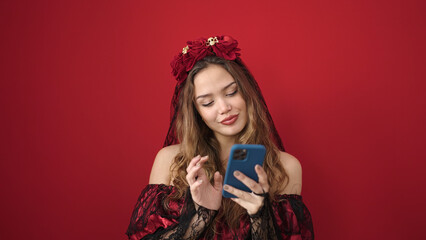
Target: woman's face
(219, 101)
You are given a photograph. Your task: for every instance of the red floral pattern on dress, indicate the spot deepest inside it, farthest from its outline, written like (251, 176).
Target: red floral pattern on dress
(291, 218)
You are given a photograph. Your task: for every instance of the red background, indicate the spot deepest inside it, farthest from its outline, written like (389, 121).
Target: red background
(86, 87)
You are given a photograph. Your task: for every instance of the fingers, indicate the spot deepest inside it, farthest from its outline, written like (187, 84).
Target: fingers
(250, 183)
(194, 167)
(250, 201)
(196, 184)
(263, 178)
(192, 170)
(256, 187)
(218, 181)
(236, 192)
(193, 162)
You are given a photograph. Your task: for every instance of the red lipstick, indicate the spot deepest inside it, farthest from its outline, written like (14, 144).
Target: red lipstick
(229, 120)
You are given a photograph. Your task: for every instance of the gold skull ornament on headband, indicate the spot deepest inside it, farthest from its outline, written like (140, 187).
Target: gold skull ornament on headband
(212, 41)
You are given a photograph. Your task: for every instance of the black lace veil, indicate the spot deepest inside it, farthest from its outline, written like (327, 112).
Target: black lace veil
(171, 137)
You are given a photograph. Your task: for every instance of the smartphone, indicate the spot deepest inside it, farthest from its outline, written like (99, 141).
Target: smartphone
(243, 157)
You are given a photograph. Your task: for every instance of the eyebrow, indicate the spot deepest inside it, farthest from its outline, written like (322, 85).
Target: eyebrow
(209, 94)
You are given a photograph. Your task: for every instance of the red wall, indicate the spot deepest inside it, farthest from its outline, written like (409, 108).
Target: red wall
(86, 87)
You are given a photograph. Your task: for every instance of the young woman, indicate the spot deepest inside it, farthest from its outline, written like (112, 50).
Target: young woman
(217, 103)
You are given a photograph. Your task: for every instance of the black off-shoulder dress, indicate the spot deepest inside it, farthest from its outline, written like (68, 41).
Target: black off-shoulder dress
(285, 218)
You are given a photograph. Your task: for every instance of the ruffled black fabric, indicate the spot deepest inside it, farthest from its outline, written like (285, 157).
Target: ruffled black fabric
(190, 225)
(285, 218)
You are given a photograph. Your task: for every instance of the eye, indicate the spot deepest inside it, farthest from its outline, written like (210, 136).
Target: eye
(232, 93)
(207, 104)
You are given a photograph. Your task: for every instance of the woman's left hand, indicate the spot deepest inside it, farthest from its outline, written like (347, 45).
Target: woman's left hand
(250, 201)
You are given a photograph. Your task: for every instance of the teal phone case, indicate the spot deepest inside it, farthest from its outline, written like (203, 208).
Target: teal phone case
(243, 157)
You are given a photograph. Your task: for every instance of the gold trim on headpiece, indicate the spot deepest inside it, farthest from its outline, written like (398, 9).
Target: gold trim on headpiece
(185, 49)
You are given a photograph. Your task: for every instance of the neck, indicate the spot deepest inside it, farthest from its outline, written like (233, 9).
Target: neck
(225, 147)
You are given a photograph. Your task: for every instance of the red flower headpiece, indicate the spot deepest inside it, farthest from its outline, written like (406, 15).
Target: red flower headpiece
(222, 46)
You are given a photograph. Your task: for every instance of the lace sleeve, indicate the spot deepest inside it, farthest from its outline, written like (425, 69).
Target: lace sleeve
(192, 223)
(261, 223)
(281, 219)
(150, 220)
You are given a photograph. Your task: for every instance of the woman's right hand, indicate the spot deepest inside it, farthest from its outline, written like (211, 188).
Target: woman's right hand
(203, 192)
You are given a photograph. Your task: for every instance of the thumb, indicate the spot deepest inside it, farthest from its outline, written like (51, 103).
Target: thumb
(218, 180)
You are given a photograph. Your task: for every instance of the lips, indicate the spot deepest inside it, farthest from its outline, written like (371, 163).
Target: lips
(230, 120)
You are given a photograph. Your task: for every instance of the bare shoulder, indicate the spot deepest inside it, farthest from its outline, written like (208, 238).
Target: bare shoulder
(160, 172)
(293, 169)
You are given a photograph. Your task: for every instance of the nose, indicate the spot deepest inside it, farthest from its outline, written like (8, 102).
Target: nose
(224, 106)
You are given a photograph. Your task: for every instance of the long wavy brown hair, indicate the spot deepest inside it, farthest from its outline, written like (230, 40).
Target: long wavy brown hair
(197, 139)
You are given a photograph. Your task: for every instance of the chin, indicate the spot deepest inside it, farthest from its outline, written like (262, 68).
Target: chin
(233, 131)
